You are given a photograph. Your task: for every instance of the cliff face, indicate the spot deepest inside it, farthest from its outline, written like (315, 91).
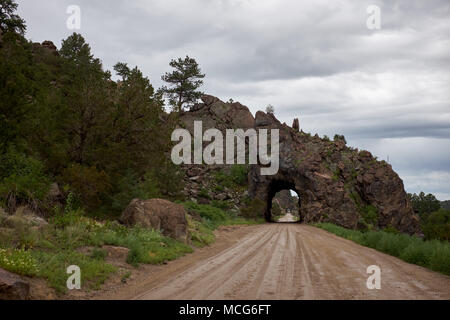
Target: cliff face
(335, 183)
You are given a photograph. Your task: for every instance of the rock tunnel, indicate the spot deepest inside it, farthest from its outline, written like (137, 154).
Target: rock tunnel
(275, 187)
(335, 183)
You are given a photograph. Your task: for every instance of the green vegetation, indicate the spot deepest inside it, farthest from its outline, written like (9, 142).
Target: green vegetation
(47, 252)
(434, 220)
(237, 177)
(210, 218)
(53, 265)
(204, 194)
(63, 119)
(19, 261)
(437, 225)
(23, 180)
(270, 109)
(276, 211)
(432, 254)
(253, 209)
(184, 82)
(339, 137)
(424, 204)
(369, 215)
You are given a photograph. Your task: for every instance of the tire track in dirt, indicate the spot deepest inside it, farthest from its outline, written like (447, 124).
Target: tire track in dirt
(294, 261)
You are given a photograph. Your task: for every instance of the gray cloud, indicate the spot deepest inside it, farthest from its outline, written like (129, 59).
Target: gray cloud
(386, 90)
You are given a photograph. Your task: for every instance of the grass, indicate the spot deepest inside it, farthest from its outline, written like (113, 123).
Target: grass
(47, 252)
(202, 231)
(53, 266)
(235, 178)
(432, 254)
(19, 261)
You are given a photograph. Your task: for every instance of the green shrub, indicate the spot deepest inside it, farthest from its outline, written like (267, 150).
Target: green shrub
(391, 229)
(254, 209)
(204, 194)
(224, 205)
(276, 210)
(415, 254)
(130, 187)
(235, 178)
(88, 183)
(211, 217)
(440, 259)
(239, 173)
(22, 179)
(201, 233)
(18, 261)
(213, 214)
(370, 215)
(437, 225)
(432, 254)
(340, 137)
(53, 266)
(98, 254)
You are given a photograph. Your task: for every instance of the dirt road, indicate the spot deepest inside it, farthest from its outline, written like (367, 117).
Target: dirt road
(286, 261)
(287, 218)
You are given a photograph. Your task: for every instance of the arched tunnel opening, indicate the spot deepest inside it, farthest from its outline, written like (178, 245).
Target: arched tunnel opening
(280, 208)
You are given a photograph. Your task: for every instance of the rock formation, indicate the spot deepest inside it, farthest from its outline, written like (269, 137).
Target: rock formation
(295, 124)
(12, 287)
(335, 183)
(158, 214)
(48, 46)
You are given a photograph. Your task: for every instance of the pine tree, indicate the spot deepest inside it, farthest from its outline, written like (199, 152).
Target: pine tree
(9, 21)
(184, 82)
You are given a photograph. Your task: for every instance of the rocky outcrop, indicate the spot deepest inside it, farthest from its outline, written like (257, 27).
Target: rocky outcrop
(335, 183)
(215, 113)
(200, 181)
(295, 124)
(47, 46)
(158, 214)
(12, 287)
(23, 215)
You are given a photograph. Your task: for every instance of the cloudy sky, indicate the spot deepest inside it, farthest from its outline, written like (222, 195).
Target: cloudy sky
(386, 90)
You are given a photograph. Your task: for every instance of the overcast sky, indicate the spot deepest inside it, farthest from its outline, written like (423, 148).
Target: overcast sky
(386, 90)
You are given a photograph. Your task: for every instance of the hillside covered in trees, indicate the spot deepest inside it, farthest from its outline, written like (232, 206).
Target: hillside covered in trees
(63, 120)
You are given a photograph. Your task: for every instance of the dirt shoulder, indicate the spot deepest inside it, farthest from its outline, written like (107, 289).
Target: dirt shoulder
(148, 276)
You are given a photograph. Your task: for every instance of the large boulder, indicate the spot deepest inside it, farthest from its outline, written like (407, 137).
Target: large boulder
(23, 216)
(158, 214)
(12, 287)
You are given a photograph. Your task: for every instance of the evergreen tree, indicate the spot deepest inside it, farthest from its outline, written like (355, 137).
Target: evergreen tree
(9, 21)
(86, 91)
(184, 82)
(424, 204)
